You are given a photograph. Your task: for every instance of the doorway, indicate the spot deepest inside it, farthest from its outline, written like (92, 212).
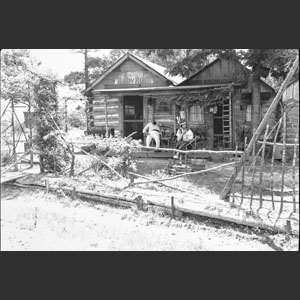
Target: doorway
(133, 116)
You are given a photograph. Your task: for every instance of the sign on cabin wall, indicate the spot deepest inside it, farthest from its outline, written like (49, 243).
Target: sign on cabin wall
(132, 75)
(135, 77)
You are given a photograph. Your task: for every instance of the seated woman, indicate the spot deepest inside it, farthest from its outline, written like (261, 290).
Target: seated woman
(184, 137)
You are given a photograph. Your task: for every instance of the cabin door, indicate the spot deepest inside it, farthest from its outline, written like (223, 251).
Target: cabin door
(133, 116)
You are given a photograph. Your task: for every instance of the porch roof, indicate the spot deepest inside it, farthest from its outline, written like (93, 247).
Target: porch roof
(165, 88)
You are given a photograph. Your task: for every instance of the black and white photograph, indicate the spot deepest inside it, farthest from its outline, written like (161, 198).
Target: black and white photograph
(149, 150)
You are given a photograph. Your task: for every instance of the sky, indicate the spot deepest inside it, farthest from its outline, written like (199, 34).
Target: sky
(61, 61)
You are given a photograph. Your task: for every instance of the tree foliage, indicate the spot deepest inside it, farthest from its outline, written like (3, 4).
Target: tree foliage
(54, 153)
(22, 83)
(16, 75)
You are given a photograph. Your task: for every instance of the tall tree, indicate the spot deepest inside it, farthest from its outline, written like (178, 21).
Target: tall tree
(85, 53)
(263, 63)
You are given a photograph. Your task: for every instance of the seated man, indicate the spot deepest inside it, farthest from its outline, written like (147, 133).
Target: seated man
(152, 131)
(184, 136)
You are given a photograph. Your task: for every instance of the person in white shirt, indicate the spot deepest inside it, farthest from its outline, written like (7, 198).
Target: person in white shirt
(152, 130)
(184, 136)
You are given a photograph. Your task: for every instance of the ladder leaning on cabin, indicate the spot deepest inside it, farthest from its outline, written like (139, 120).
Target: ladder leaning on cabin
(227, 133)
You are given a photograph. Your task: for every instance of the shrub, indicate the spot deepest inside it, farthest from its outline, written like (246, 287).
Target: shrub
(122, 150)
(77, 119)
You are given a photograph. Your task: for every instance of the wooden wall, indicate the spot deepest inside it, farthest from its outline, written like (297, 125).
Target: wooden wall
(220, 71)
(113, 113)
(241, 99)
(290, 99)
(131, 75)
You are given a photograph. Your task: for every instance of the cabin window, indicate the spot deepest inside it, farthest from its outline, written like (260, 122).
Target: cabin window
(196, 114)
(162, 106)
(248, 113)
(129, 111)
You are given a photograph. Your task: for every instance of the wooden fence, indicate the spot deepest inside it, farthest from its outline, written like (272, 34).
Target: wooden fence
(269, 178)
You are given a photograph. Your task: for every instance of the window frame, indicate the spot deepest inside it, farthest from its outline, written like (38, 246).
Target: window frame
(155, 105)
(202, 114)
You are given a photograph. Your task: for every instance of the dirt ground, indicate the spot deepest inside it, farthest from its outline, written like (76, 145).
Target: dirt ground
(34, 221)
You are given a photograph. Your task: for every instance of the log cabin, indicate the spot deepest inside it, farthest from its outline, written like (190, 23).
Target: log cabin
(215, 102)
(290, 100)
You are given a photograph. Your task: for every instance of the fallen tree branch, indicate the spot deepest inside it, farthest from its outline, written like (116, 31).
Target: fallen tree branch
(67, 144)
(122, 201)
(99, 160)
(94, 164)
(186, 174)
(191, 212)
(14, 163)
(192, 151)
(279, 144)
(166, 185)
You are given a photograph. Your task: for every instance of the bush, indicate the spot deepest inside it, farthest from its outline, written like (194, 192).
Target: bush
(122, 150)
(77, 119)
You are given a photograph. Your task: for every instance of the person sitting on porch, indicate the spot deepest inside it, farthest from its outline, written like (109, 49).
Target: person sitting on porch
(152, 130)
(184, 136)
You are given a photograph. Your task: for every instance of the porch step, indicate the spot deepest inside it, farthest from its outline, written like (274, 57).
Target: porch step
(152, 154)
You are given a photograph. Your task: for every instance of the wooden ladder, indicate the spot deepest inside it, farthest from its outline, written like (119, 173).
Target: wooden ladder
(227, 131)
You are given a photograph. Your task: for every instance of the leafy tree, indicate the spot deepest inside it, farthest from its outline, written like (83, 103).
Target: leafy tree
(263, 63)
(54, 153)
(16, 75)
(21, 83)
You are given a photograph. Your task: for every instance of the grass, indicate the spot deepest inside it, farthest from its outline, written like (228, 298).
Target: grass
(34, 221)
(54, 222)
(202, 191)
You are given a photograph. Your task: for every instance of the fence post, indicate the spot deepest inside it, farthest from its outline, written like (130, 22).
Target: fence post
(288, 226)
(172, 207)
(139, 203)
(74, 192)
(235, 175)
(283, 161)
(272, 163)
(243, 173)
(47, 185)
(262, 166)
(294, 172)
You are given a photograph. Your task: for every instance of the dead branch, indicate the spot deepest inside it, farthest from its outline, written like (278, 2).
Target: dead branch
(12, 165)
(193, 151)
(94, 164)
(186, 174)
(99, 160)
(166, 185)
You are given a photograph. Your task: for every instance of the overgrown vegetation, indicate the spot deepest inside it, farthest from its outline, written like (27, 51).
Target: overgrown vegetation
(121, 152)
(54, 153)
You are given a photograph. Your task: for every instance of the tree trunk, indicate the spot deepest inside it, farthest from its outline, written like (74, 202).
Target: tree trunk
(87, 83)
(13, 134)
(86, 71)
(30, 134)
(256, 102)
